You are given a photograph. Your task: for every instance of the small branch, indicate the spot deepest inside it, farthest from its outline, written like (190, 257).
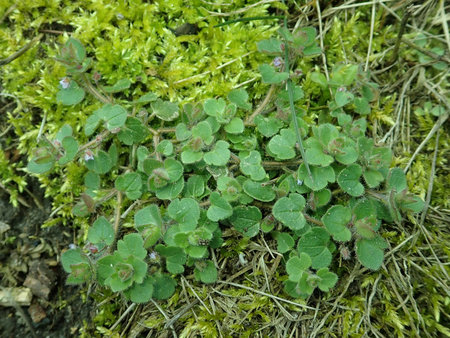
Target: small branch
(21, 51)
(127, 311)
(261, 106)
(400, 35)
(426, 51)
(94, 92)
(117, 213)
(313, 220)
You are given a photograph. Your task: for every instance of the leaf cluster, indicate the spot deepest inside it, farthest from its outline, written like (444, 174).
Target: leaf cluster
(203, 167)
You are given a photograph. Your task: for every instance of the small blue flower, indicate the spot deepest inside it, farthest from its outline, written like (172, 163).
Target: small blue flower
(278, 62)
(65, 82)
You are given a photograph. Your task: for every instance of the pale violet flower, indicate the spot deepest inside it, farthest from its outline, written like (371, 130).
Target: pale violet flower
(65, 82)
(278, 62)
(88, 155)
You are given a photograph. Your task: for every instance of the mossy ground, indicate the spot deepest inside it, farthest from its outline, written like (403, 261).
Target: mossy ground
(409, 296)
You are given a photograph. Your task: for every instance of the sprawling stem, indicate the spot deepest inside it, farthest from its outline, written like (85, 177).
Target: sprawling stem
(290, 90)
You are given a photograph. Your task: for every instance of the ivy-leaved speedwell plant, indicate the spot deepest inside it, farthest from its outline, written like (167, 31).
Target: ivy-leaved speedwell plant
(183, 175)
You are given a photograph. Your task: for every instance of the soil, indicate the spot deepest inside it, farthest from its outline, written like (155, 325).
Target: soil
(29, 256)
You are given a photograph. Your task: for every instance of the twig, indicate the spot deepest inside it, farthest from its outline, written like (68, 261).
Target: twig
(267, 295)
(262, 105)
(131, 307)
(21, 50)
(435, 128)
(400, 35)
(372, 25)
(165, 316)
(444, 24)
(171, 321)
(426, 51)
(335, 305)
(430, 184)
(242, 10)
(7, 12)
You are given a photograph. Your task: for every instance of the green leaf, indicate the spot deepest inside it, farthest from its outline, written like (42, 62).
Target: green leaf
(171, 190)
(101, 163)
(165, 110)
(115, 116)
(174, 169)
(366, 226)
(41, 164)
(175, 258)
(229, 188)
(327, 279)
(235, 126)
(251, 166)
(259, 191)
(335, 220)
(289, 211)
(119, 86)
(370, 252)
(72, 257)
(320, 176)
(81, 273)
(197, 252)
(146, 216)
(186, 212)
(283, 145)
(91, 124)
(220, 155)
(213, 107)
(140, 293)
(132, 132)
(362, 106)
(315, 243)
(130, 183)
(146, 98)
(321, 197)
(165, 147)
(315, 153)
(70, 146)
(268, 126)
(71, 95)
(344, 75)
(270, 46)
(269, 75)
(246, 220)
(304, 36)
(348, 180)
(285, 242)
(101, 232)
(181, 132)
(320, 79)
(409, 202)
(189, 156)
(312, 50)
(205, 271)
(163, 286)
(195, 186)
(343, 97)
(131, 245)
(204, 131)
(373, 178)
(240, 98)
(396, 180)
(296, 266)
(92, 180)
(219, 209)
(151, 234)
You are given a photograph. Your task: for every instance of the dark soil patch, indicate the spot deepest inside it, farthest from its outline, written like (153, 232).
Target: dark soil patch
(29, 256)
